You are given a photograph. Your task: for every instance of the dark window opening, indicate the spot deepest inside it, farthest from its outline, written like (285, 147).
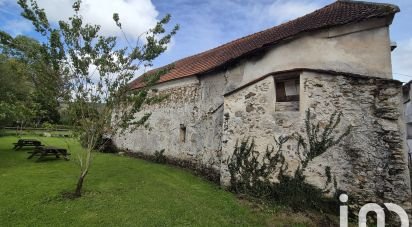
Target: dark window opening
(287, 90)
(182, 133)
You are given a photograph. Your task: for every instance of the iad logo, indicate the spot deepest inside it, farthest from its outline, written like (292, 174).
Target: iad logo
(372, 207)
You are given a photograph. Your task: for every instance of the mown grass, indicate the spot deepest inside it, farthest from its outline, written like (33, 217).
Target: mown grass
(119, 191)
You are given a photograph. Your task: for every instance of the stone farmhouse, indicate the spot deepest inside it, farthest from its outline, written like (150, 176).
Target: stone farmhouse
(337, 58)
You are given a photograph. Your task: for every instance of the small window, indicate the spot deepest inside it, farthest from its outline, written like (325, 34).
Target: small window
(287, 90)
(287, 94)
(182, 133)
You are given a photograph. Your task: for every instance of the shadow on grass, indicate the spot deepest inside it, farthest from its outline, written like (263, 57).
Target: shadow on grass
(68, 195)
(284, 215)
(47, 159)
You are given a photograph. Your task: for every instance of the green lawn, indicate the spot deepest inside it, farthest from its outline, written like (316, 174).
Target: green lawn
(119, 191)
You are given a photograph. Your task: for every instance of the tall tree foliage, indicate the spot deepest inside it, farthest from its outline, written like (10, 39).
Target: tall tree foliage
(98, 70)
(16, 99)
(23, 55)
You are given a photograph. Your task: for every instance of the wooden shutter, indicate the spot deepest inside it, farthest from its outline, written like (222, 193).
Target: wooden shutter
(280, 92)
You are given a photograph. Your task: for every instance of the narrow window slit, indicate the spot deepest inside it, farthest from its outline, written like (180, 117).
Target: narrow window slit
(182, 133)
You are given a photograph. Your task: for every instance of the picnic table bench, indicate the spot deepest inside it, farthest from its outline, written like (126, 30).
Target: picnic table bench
(26, 143)
(43, 151)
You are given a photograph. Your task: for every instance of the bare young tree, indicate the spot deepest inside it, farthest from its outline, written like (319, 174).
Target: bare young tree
(98, 70)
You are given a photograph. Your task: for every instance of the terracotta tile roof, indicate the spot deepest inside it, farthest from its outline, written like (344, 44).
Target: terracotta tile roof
(339, 13)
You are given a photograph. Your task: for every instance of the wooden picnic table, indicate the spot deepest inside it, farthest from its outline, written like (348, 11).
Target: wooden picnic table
(26, 143)
(49, 151)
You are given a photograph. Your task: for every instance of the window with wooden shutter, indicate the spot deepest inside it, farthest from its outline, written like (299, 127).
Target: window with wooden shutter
(287, 90)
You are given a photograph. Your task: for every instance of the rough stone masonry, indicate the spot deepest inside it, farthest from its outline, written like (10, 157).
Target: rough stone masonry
(370, 165)
(337, 58)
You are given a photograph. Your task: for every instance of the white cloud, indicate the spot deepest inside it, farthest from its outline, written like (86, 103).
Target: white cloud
(17, 27)
(137, 16)
(284, 10)
(402, 61)
(208, 23)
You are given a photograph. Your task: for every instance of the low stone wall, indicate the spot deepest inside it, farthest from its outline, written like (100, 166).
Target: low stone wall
(370, 165)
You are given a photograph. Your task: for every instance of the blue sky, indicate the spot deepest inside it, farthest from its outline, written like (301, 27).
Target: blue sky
(205, 23)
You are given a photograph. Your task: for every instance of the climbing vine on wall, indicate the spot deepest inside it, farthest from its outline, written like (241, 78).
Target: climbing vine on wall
(265, 175)
(250, 173)
(317, 141)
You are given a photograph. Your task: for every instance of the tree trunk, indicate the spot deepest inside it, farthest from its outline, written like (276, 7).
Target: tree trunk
(78, 191)
(84, 166)
(21, 130)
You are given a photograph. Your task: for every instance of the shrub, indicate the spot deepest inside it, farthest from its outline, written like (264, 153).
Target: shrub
(316, 142)
(106, 145)
(294, 192)
(252, 174)
(159, 157)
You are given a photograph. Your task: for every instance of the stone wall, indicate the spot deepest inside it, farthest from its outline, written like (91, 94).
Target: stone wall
(370, 164)
(194, 104)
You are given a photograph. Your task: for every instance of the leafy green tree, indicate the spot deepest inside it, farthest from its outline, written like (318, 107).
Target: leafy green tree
(16, 93)
(45, 82)
(98, 70)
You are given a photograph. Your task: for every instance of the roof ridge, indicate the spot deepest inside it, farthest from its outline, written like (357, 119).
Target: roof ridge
(244, 37)
(393, 6)
(335, 14)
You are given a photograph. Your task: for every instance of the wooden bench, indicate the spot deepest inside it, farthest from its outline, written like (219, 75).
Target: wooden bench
(26, 143)
(49, 151)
